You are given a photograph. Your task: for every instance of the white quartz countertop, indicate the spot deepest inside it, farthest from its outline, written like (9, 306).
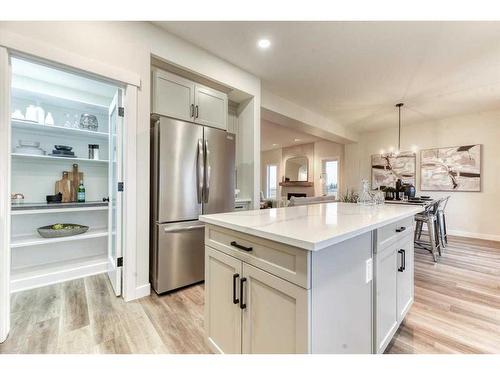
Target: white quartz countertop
(312, 227)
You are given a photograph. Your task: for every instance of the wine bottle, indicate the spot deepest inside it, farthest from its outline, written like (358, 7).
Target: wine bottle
(81, 193)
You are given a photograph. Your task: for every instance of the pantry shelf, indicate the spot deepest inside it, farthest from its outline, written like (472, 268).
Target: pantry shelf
(36, 239)
(56, 158)
(44, 208)
(56, 130)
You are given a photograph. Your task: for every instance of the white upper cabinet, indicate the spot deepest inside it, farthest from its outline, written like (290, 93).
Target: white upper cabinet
(173, 96)
(210, 107)
(180, 98)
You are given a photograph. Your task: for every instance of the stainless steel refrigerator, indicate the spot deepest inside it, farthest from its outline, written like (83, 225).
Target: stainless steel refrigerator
(192, 173)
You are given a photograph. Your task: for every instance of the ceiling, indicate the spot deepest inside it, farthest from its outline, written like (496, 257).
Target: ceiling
(354, 72)
(274, 136)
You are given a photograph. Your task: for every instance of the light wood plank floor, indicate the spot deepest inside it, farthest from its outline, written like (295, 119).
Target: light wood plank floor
(84, 316)
(457, 301)
(456, 310)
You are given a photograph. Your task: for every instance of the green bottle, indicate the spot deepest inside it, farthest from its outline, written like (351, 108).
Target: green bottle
(81, 193)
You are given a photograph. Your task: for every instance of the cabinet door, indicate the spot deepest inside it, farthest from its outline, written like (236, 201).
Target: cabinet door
(222, 313)
(275, 318)
(405, 276)
(386, 296)
(173, 96)
(211, 107)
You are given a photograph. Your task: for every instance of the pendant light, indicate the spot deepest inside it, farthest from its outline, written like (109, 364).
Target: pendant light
(399, 105)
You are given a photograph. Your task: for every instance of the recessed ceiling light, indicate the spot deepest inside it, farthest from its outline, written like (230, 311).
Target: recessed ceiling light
(264, 43)
(275, 144)
(297, 140)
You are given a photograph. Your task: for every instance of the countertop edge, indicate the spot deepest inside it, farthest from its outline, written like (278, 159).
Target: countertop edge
(307, 245)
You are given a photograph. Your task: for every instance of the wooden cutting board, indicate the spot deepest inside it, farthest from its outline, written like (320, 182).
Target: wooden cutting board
(75, 177)
(63, 186)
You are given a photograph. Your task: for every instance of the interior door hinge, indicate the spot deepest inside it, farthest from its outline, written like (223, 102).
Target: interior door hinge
(121, 111)
(119, 262)
(120, 186)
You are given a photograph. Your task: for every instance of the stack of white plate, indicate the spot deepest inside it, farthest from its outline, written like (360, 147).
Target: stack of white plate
(29, 148)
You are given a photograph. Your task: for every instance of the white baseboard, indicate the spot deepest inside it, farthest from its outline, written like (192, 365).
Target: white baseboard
(482, 236)
(142, 291)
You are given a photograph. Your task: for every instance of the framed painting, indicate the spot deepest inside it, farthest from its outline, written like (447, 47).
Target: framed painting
(388, 168)
(451, 169)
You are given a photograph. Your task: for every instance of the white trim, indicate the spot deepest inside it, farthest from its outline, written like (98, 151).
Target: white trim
(58, 274)
(48, 52)
(130, 254)
(4, 194)
(141, 291)
(481, 236)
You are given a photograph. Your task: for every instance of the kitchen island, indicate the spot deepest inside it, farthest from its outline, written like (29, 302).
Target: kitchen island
(324, 278)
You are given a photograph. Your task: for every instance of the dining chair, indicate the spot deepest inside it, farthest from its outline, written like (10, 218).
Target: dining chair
(429, 217)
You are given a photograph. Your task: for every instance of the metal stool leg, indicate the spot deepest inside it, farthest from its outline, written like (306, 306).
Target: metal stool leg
(418, 230)
(437, 234)
(445, 234)
(432, 237)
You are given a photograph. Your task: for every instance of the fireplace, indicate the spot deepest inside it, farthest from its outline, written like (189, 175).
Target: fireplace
(298, 195)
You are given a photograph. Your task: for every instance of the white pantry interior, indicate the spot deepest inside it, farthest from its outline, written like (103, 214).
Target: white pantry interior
(66, 95)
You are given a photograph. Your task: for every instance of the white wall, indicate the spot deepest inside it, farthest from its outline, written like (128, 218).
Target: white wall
(468, 214)
(127, 47)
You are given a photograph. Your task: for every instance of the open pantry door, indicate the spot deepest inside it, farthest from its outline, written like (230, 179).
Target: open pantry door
(5, 74)
(115, 174)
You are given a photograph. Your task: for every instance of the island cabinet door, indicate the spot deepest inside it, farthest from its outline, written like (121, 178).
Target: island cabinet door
(386, 319)
(405, 276)
(275, 314)
(222, 310)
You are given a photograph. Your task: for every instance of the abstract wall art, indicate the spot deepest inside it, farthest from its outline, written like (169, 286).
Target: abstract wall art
(451, 169)
(388, 168)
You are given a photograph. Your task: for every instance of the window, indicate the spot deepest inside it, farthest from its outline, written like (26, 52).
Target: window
(272, 181)
(330, 177)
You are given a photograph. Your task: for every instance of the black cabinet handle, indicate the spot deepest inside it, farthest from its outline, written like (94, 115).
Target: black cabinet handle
(235, 277)
(236, 244)
(403, 260)
(242, 281)
(197, 112)
(401, 229)
(192, 110)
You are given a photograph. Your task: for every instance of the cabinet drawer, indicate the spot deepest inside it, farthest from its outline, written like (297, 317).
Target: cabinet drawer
(393, 232)
(284, 261)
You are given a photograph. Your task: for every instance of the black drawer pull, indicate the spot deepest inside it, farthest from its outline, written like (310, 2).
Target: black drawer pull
(235, 277)
(403, 260)
(401, 229)
(242, 305)
(236, 244)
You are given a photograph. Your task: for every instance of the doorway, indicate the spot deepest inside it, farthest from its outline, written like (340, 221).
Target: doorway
(65, 169)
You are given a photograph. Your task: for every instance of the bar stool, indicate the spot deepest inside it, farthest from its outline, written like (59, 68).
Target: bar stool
(429, 217)
(441, 219)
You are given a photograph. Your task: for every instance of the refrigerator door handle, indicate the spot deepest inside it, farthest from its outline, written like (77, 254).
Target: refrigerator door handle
(183, 229)
(207, 172)
(200, 172)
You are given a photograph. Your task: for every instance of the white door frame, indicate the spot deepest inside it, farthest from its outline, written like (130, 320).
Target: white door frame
(4, 194)
(130, 82)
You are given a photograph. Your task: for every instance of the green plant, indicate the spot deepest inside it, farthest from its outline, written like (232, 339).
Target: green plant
(349, 197)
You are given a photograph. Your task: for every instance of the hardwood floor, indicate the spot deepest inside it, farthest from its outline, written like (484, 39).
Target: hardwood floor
(457, 301)
(84, 316)
(456, 310)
